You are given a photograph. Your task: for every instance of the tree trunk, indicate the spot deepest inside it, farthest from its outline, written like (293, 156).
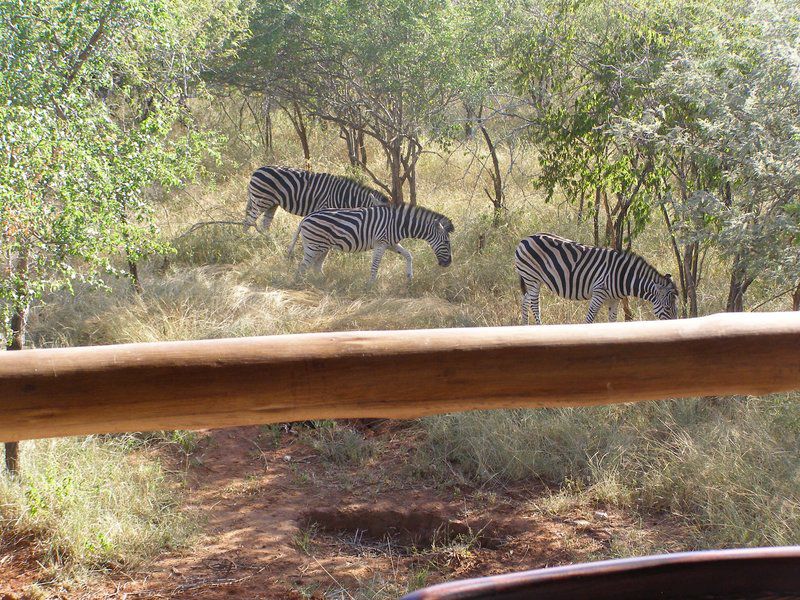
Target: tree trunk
(356, 147)
(298, 122)
(497, 197)
(395, 164)
(267, 135)
(12, 457)
(133, 269)
(796, 298)
(411, 176)
(735, 296)
(469, 120)
(691, 267)
(596, 216)
(738, 286)
(678, 258)
(19, 324)
(620, 221)
(361, 146)
(347, 135)
(408, 162)
(19, 329)
(609, 239)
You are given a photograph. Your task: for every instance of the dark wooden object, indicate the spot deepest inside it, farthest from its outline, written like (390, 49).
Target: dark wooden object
(753, 574)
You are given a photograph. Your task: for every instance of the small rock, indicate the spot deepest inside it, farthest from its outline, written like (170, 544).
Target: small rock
(581, 523)
(601, 514)
(287, 458)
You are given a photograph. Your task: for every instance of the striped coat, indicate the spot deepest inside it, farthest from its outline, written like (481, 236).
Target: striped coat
(302, 193)
(379, 228)
(580, 272)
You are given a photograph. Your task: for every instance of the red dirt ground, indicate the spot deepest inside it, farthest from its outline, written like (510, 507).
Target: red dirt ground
(281, 522)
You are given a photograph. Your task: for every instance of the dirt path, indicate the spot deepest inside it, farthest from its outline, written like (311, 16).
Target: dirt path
(279, 521)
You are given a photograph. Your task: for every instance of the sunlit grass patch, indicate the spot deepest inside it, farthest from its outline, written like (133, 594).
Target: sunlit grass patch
(728, 467)
(90, 504)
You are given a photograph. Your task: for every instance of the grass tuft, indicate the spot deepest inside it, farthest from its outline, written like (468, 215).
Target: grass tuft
(728, 467)
(339, 444)
(89, 504)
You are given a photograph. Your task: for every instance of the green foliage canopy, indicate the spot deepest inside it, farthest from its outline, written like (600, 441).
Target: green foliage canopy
(92, 113)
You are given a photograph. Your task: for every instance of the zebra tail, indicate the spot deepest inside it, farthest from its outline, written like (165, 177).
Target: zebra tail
(522, 285)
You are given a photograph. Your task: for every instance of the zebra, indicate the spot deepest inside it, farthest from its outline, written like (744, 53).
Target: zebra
(302, 193)
(379, 228)
(580, 272)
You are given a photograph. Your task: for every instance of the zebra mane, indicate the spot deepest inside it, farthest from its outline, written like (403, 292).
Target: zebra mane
(648, 268)
(432, 215)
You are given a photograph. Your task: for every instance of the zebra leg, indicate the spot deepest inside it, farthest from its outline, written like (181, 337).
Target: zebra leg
(377, 255)
(524, 308)
(320, 259)
(266, 220)
(613, 305)
(290, 251)
(598, 298)
(409, 260)
(530, 303)
(533, 299)
(311, 257)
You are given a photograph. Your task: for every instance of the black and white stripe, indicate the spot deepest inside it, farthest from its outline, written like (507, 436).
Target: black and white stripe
(580, 272)
(379, 228)
(302, 193)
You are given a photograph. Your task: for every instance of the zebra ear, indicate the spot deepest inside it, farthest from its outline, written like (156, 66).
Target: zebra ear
(446, 224)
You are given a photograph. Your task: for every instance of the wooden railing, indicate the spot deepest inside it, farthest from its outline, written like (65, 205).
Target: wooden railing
(396, 374)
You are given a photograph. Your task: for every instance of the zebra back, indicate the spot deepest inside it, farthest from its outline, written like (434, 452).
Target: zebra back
(303, 192)
(362, 229)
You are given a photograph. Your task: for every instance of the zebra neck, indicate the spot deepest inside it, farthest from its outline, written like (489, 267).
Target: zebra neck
(644, 289)
(408, 223)
(632, 277)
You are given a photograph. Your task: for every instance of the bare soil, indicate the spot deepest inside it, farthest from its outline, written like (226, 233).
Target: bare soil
(279, 521)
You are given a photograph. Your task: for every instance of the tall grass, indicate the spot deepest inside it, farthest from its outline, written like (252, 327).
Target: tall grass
(728, 467)
(90, 504)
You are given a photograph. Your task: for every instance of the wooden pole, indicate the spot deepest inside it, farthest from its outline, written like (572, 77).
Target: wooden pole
(394, 374)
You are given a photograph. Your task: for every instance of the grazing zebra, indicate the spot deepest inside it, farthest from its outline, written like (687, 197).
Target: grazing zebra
(302, 193)
(379, 228)
(580, 272)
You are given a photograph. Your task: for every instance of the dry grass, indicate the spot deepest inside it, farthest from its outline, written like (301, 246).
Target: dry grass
(729, 468)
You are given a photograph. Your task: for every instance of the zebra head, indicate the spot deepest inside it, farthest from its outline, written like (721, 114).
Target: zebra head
(665, 298)
(439, 239)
